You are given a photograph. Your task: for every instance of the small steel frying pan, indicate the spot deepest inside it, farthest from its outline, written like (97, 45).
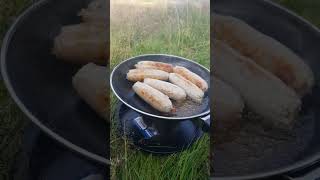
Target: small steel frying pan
(122, 88)
(299, 155)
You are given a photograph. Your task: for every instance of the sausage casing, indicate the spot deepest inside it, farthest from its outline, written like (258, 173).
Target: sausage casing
(227, 106)
(140, 74)
(193, 91)
(263, 93)
(154, 65)
(95, 12)
(172, 91)
(90, 82)
(191, 76)
(153, 97)
(265, 51)
(81, 44)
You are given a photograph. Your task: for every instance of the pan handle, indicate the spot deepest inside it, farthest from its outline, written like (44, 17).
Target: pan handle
(206, 123)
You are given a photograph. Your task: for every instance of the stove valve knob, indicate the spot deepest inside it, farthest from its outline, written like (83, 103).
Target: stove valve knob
(146, 132)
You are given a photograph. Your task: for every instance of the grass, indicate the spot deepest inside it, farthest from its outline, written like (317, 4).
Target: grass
(190, 164)
(182, 32)
(11, 119)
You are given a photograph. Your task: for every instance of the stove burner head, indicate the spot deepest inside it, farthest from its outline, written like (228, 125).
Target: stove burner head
(155, 135)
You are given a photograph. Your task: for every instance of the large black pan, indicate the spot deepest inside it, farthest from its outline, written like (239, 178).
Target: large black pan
(303, 38)
(41, 85)
(123, 88)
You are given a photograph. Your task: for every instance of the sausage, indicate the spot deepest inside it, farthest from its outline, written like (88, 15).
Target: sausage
(153, 97)
(154, 65)
(81, 44)
(265, 51)
(97, 5)
(193, 77)
(172, 91)
(263, 93)
(95, 13)
(90, 82)
(227, 106)
(195, 93)
(94, 17)
(227, 103)
(140, 74)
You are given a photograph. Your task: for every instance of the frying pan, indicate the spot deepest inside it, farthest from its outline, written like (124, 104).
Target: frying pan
(40, 84)
(122, 88)
(288, 157)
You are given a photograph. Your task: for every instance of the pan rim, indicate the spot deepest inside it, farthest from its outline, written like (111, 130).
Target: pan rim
(297, 165)
(146, 113)
(5, 78)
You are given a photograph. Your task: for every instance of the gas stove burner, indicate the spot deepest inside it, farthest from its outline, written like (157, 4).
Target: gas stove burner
(155, 135)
